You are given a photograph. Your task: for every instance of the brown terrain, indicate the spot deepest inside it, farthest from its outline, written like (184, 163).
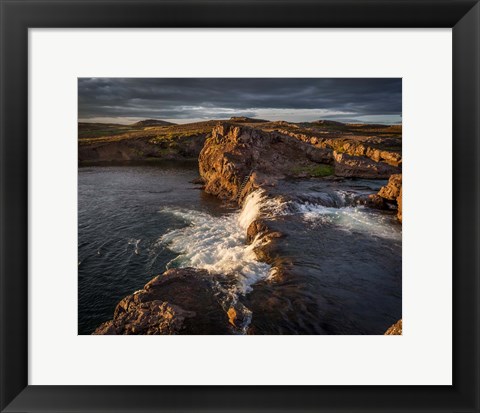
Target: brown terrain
(236, 157)
(373, 151)
(140, 142)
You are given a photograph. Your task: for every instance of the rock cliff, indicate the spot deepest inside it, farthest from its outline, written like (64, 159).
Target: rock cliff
(233, 153)
(365, 146)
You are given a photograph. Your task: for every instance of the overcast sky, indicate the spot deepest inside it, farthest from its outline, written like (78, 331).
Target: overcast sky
(127, 100)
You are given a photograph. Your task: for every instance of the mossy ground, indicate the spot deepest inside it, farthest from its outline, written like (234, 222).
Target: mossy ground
(316, 171)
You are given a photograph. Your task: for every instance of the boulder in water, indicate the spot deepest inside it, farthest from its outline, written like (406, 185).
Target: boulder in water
(179, 301)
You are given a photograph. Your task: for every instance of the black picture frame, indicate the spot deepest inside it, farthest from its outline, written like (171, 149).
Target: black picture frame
(17, 16)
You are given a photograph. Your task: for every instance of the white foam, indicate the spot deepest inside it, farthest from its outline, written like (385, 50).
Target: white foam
(251, 209)
(258, 204)
(357, 219)
(218, 243)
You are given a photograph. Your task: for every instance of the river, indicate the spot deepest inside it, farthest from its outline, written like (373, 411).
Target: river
(342, 260)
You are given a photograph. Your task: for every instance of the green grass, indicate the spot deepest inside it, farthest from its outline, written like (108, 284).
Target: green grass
(317, 171)
(95, 130)
(172, 136)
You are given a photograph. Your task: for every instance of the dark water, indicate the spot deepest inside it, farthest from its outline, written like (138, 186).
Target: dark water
(343, 262)
(344, 265)
(118, 228)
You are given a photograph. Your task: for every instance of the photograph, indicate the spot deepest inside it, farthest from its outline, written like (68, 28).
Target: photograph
(213, 187)
(241, 206)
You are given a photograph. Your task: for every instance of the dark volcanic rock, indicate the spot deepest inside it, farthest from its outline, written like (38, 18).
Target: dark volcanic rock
(180, 301)
(376, 201)
(260, 228)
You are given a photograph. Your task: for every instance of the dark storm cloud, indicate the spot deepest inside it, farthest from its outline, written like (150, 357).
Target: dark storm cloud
(222, 98)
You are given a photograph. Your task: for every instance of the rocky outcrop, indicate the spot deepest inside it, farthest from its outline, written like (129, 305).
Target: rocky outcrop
(234, 152)
(391, 191)
(180, 301)
(362, 167)
(361, 149)
(389, 196)
(395, 329)
(364, 146)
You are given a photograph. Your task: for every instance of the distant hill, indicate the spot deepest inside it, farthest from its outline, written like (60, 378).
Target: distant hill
(328, 122)
(93, 130)
(244, 119)
(153, 122)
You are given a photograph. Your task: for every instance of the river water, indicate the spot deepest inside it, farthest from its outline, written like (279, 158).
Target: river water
(342, 261)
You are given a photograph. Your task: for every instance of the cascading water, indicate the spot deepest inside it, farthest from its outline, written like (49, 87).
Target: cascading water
(218, 244)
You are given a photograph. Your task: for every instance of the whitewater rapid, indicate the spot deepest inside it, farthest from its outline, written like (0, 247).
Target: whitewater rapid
(219, 244)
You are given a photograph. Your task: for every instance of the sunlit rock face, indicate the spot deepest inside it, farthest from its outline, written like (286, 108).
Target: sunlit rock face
(399, 203)
(390, 196)
(351, 166)
(392, 190)
(235, 152)
(395, 329)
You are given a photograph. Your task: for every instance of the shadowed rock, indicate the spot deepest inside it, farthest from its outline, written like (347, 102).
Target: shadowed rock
(180, 301)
